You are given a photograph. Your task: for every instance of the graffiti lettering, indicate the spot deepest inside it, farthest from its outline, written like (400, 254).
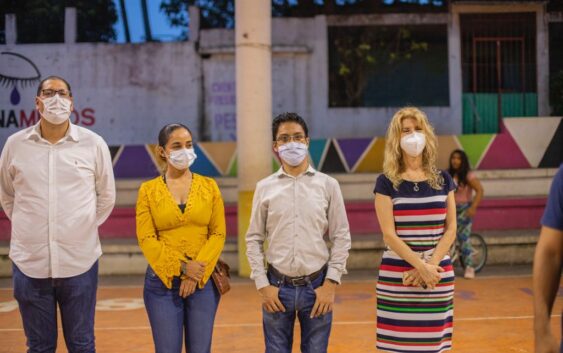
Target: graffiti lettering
(226, 121)
(222, 99)
(9, 118)
(217, 87)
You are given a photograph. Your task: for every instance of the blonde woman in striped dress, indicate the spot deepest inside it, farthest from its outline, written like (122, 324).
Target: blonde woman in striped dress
(416, 210)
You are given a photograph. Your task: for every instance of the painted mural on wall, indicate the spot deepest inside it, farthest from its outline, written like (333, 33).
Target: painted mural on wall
(19, 77)
(220, 98)
(514, 148)
(289, 91)
(124, 93)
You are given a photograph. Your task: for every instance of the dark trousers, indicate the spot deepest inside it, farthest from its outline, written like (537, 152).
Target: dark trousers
(298, 302)
(174, 319)
(76, 297)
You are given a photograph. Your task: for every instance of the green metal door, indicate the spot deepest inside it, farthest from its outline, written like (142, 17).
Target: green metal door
(499, 76)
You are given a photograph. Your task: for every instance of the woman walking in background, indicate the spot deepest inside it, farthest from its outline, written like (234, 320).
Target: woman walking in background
(181, 230)
(466, 205)
(416, 211)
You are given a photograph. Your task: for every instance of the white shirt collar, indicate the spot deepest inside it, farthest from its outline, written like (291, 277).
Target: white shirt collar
(35, 133)
(310, 171)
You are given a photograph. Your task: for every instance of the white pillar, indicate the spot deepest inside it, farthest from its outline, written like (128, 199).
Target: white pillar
(253, 42)
(542, 54)
(11, 28)
(454, 71)
(70, 25)
(318, 79)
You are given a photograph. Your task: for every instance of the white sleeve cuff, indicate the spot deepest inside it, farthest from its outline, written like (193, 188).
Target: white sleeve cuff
(333, 274)
(261, 281)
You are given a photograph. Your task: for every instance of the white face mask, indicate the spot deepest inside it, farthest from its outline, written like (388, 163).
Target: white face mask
(413, 144)
(182, 159)
(293, 153)
(56, 109)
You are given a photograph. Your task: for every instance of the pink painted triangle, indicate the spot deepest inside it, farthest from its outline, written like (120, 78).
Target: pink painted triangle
(504, 153)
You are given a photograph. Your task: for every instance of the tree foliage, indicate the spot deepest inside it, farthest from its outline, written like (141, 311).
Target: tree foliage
(42, 21)
(221, 13)
(362, 51)
(214, 13)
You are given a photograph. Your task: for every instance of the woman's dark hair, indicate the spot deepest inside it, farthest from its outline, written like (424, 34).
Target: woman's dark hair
(463, 170)
(286, 118)
(166, 131)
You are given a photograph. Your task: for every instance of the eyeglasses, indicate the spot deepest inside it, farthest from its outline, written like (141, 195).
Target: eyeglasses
(51, 92)
(288, 138)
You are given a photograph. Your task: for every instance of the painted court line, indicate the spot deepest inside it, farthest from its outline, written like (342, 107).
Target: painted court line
(337, 323)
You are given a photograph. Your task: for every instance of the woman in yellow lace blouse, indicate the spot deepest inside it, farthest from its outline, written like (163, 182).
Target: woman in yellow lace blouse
(181, 230)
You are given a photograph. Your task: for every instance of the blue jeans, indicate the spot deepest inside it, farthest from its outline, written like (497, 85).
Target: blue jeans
(173, 317)
(38, 298)
(298, 301)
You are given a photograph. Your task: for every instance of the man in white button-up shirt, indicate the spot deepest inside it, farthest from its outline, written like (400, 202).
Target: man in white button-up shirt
(292, 210)
(56, 187)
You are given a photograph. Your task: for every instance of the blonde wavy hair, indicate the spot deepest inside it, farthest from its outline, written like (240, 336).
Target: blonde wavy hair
(393, 164)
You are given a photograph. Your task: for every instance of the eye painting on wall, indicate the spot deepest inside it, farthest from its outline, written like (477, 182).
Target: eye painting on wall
(18, 74)
(16, 68)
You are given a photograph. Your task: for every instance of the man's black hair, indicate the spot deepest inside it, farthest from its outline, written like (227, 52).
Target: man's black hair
(285, 118)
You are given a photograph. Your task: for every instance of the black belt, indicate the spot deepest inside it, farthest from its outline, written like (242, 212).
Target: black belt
(295, 281)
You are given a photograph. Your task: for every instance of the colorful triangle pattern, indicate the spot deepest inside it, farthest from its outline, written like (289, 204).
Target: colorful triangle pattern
(135, 162)
(553, 156)
(372, 159)
(203, 164)
(317, 148)
(333, 161)
(353, 149)
(475, 146)
(233, 167)
(220, 154)
(446, 145)
(533, 145)
(504, 153)
(157, 160)
(515, 147)
(114, 151)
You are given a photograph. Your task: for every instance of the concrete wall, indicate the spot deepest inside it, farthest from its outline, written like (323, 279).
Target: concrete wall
(300, 79)
(289, 90)
(123, 92)
(127, 92)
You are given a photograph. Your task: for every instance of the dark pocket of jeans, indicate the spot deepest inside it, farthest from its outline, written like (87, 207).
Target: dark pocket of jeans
(152, 280)
(317, 282)
(150, 273)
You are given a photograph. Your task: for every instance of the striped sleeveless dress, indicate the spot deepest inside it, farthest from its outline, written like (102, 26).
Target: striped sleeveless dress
(413, 319)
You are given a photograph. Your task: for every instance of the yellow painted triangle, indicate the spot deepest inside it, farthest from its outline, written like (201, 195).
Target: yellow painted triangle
(152, 150)
(446, 145)
(220, 153)
(372, 160)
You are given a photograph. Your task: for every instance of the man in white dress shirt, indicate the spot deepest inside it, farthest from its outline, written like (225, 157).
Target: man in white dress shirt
(292, 210)
(56, 187)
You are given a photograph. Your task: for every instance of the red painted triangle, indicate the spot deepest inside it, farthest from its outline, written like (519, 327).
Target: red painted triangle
(504, 153)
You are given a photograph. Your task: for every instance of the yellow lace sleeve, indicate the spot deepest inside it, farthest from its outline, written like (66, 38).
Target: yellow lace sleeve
(216, 235)
(165, 262)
